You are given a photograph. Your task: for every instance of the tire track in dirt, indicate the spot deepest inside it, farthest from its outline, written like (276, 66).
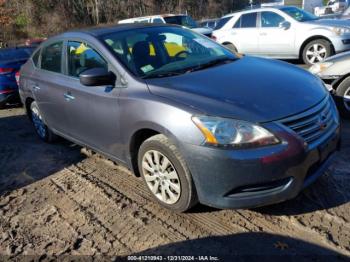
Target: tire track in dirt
(225, 222)
(134, 188)
(131, 222)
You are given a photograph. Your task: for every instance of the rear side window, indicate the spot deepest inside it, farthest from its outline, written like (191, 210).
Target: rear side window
(82, 57)
(222, 22)
(246, 21)
(51, 57)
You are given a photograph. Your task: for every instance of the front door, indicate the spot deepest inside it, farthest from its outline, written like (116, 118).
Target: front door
(93, 110)
(275, 40)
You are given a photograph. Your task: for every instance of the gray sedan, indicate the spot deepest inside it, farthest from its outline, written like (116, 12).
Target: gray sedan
(195, 121)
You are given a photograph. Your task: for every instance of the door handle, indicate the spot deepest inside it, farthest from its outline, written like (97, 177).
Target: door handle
(36, 87)
(68, 97)
(263, 34)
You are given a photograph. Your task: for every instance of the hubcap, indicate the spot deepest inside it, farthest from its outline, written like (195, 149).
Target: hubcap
(316, 53)
(346, 99)
(161, 177)
(38, 123)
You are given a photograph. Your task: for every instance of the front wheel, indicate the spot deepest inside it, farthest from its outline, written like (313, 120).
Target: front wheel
(316, 51)
(40, 127)
(343, 98)
(166, 174)
(231, 47)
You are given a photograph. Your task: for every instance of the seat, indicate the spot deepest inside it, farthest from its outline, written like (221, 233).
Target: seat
(141, 54)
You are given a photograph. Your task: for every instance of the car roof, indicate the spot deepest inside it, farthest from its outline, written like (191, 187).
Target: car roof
(99, 31)
(257, 9)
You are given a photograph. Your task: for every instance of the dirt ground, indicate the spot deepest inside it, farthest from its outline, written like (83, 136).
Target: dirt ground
(60, 200)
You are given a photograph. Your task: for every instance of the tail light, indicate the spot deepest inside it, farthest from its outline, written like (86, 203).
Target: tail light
(213, 37)
(4, 71)
(17, 77)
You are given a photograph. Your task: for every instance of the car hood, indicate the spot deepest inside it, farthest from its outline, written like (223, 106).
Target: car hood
(331, 22)
(251, 89)
(339, 57)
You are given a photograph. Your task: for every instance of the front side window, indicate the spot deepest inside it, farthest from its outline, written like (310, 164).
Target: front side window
(271, 19)
(51, 57)
(165, 51)
(82, 57)
(246, 21)
(298, 14)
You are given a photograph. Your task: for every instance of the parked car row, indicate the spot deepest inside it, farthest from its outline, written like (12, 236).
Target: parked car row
(185, 113)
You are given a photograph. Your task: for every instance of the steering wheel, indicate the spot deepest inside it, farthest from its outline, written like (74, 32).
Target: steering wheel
(178, 55)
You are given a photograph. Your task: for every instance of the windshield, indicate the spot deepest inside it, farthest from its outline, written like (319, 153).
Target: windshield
(299, 14)
(165, 51)
(183, 20)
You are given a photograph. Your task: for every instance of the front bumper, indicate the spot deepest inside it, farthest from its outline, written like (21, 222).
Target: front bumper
(341, 43)
(258, 177)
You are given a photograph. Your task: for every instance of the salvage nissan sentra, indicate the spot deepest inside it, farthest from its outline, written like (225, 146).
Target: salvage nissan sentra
(197, 122)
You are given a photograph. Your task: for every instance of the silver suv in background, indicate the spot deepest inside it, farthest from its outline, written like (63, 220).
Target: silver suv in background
(284, 32)
(335, 72)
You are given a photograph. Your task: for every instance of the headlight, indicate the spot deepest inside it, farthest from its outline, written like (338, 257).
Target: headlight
(320, 67)
(228, 132)
(341, 30)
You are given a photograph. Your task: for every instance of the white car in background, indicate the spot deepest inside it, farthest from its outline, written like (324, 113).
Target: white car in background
(335, 72)
(179, 19)
(284, 32)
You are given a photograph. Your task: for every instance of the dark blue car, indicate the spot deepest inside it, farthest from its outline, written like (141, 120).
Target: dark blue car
(11, 60)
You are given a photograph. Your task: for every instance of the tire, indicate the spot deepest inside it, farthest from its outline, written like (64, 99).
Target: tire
(321, 49)
(343, 91)
(42, 130)
(231, 47)
(163, 182)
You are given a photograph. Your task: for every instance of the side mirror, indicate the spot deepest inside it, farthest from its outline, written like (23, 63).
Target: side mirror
(97, 77)
(285, 25)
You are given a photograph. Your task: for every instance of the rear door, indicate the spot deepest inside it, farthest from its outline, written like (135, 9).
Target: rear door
(48, 88)
(93, 110)
(244, 34)
(273, 39)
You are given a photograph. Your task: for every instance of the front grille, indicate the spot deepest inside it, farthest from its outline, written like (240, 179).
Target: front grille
(314, 123)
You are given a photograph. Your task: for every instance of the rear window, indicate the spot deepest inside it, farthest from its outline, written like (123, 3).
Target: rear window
(246, 21)
(222, 22)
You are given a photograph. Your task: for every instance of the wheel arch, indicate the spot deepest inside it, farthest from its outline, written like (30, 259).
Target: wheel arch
(28, 102)
(312, 38)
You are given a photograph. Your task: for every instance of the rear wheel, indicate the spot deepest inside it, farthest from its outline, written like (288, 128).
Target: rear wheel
(316, 51)
(41, 128)
(166, 174)
(343, 97)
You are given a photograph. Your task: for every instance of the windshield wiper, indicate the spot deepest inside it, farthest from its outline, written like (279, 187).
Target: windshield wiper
(163, 74)
(212, 63)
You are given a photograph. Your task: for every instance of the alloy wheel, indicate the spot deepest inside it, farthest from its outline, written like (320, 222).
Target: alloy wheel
(316, 53)
(346, 99)
(38, 122)
(161, 177)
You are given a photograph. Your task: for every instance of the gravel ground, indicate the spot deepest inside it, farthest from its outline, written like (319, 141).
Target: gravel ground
(61, 201)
